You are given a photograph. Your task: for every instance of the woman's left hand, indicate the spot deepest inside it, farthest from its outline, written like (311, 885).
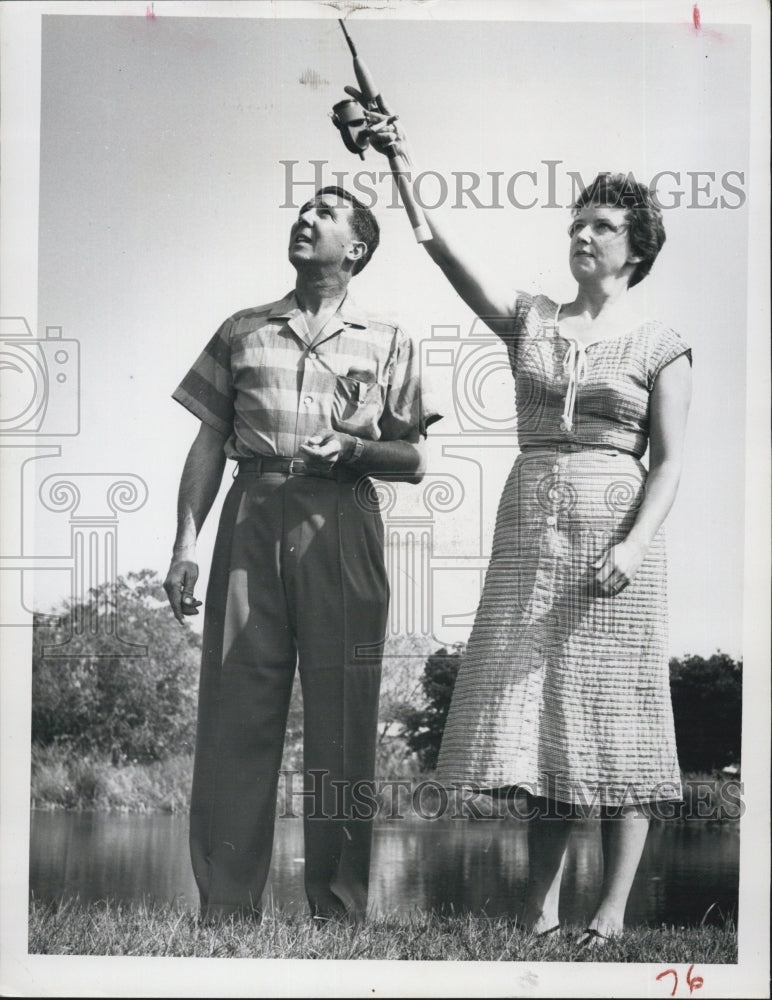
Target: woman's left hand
(616, 568)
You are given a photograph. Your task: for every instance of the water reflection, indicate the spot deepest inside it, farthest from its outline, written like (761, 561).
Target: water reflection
(476, 866)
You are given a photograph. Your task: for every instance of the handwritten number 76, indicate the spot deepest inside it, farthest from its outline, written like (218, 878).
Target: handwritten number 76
(693, 982)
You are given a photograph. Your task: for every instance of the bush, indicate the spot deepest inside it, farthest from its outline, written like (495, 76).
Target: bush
(424, 727)
(87, 696)
(707, 705)
(60, 779)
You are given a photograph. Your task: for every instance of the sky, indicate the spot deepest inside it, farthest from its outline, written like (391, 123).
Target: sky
(174, 153)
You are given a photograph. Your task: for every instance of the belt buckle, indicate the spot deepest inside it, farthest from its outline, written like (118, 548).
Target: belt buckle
(300, 471)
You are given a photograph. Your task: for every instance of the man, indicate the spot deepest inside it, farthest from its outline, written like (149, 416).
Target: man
(308, 395)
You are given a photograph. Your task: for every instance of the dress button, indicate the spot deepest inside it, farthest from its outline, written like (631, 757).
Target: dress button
(552, 520)
(308, 400)
(312, 355)
(556, 468)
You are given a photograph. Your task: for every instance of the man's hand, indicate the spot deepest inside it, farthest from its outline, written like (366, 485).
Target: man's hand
(322, 451)
(179, 585)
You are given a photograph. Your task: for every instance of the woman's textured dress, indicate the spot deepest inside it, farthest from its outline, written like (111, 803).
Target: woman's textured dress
(561, 691)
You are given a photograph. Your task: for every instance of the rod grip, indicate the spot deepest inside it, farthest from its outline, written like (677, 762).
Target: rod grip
(415, 214)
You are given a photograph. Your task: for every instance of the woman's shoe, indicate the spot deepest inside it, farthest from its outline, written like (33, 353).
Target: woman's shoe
(550, 932)
(592, 939)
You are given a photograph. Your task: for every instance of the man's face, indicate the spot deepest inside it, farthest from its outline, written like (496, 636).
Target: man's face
(322, 234)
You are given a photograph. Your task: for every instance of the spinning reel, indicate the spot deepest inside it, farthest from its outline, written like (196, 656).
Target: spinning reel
(364, 113)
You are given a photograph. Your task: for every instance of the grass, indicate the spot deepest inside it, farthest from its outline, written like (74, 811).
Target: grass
(144, 929)
(62, 780)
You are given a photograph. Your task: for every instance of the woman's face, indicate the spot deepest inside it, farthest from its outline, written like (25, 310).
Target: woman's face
(600, 245)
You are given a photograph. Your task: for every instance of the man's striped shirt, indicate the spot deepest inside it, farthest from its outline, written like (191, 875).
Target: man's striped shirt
(265, 382)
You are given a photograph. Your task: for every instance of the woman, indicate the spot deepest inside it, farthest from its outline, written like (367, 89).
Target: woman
(564, 688)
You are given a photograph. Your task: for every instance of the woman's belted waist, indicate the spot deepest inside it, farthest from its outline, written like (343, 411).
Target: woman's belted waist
(574, 446)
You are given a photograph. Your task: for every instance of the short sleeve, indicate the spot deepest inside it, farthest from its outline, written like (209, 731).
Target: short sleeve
(510, 329)
(409, 408)
(523, 305)
(207, 390)
(668, 346)
(534, 317)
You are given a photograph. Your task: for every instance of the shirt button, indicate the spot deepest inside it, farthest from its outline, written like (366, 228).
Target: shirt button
(312, 355)
(556, 468)
(552, 520)
(308, 400)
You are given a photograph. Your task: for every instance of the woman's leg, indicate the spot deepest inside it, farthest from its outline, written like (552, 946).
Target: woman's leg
(547, 844)
(623, 839)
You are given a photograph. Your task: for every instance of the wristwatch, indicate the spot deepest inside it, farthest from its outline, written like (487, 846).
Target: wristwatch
(359, 447)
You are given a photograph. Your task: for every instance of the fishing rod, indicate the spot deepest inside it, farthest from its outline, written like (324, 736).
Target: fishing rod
(363, 114)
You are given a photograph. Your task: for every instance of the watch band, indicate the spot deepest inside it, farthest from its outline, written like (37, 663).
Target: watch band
(356, 454)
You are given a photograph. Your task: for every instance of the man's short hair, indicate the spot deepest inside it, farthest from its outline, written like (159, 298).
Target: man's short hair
(646, 229)
(364, 225)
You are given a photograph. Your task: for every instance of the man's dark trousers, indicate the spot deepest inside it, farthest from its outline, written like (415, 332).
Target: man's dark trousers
(297, 578)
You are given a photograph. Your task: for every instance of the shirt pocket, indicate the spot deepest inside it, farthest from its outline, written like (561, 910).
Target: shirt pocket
(357, 403)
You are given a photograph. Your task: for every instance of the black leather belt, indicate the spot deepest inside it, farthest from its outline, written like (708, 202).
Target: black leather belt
(292, 467)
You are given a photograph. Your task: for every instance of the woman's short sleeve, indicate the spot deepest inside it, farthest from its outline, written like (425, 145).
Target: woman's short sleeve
(523, 305)
(668, 346)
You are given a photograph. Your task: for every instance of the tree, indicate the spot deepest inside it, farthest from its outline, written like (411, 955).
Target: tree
(138, 708)
(424, 726)
(404, 657)
(707, 705)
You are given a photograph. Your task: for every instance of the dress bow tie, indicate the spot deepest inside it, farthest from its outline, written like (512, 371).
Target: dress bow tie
(575, 362)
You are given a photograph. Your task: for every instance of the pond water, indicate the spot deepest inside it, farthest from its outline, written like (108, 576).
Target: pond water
(479, 866)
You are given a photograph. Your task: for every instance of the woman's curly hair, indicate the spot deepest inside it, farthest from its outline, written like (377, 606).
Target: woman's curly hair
(646, 229)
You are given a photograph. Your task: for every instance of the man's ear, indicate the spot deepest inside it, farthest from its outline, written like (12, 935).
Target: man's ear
(357, 251)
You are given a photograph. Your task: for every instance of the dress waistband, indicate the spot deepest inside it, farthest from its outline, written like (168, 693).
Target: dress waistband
(574, 446)
(258, 466)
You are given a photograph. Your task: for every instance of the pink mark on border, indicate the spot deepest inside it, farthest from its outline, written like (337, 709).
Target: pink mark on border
(150, 12)
(702, 31)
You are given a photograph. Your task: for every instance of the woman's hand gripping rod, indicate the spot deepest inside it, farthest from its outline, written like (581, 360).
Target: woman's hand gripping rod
(359, 118)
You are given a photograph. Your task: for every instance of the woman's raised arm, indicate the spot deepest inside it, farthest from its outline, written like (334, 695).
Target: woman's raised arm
(495, 306)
